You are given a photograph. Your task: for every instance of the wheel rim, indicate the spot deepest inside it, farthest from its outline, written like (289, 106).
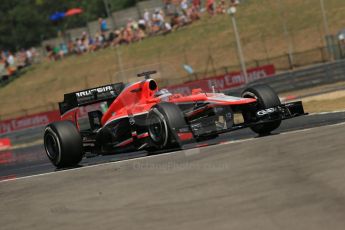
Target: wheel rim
(267, 127)
(157, 129)
(249, 95)
(52, 146)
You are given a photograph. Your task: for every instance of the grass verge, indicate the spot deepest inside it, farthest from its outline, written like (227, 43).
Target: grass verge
(205, 45)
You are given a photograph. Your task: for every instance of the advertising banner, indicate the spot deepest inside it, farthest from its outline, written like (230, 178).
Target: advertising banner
(40, 119)
(220, 83)
(5, 143)
(224, 81)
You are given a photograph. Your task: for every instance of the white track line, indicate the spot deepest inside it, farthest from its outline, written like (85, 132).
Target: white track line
(284, 133)
(324, 113)
(163, 154)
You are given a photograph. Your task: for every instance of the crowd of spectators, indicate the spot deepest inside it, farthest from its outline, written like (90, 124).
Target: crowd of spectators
(174, 15)
(11, 62)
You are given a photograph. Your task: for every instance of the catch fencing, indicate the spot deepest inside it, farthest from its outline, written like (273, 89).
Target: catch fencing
(32, 128)
(316, 75)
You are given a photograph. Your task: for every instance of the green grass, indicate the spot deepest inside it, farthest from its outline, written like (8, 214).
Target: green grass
(260, 26)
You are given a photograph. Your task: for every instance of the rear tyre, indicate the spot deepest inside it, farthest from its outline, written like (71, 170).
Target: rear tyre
(163, 122)
(63, 144)
(266, 98)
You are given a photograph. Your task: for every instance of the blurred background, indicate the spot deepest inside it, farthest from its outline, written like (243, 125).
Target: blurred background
(51, 47)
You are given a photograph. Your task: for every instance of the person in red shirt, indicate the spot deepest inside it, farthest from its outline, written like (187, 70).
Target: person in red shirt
(210, 6)
(196, 4)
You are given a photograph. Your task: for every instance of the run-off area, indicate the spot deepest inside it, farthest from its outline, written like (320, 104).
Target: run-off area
(290, 180)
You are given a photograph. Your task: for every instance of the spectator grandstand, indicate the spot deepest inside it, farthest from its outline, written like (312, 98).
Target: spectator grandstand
(11, 63)
(173, 15)
(207, 47)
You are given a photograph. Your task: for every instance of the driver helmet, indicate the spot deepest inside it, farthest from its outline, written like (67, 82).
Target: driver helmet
(163, 94)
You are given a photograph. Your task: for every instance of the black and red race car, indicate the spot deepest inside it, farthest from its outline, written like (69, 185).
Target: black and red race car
(142, 117)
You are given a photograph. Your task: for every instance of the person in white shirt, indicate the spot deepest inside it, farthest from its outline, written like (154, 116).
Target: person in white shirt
(10, 59)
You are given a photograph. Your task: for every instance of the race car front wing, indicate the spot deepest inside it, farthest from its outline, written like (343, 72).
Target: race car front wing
(278, 113)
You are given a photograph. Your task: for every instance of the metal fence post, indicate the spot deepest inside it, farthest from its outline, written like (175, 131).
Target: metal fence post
(291, 66)
(322, 55)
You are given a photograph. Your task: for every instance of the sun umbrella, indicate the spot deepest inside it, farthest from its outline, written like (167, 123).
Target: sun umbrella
(73, 11)
(57, 16)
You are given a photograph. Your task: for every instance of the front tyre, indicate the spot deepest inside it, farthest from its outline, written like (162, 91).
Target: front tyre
(158, 128)
(266, 98)
(63, 144)
(164, 120)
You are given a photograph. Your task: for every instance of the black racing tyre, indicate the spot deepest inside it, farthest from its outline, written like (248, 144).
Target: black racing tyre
(63, 144)
(162, 122)
(267, 98)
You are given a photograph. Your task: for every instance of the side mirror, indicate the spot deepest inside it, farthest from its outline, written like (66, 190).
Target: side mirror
(147, 74)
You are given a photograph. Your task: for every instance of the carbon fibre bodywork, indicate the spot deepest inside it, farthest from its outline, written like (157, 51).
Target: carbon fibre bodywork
(124, 124)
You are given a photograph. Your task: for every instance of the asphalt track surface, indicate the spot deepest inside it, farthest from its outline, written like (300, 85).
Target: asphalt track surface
(32, 160)
(291, 180)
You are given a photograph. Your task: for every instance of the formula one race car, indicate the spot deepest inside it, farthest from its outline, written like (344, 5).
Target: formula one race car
(141, 117)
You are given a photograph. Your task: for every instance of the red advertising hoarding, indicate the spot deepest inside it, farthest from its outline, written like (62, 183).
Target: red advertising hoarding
(224, 81)
(39, 119)
(221, 83)
(5, 143)
(28, 121)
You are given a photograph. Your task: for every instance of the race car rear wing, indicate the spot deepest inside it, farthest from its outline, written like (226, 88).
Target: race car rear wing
(90, 96)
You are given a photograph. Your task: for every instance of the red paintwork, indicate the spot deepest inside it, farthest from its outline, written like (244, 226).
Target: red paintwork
(126, 142)
(210, 97)
(71, 115)
(185, 136)
(6, 157)
(8, 177)
(138, 98)
(5, 143)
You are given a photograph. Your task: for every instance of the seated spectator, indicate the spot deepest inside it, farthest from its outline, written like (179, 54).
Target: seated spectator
(3, 56)
(70, 47)
(182, 12)
(234, 2)
(98, 41)
(29, 57)
(92, 44)
(210, 7)
(184, 20)
(11, 64)
(63, 49)
(142, 24)
(122, 38)
(196, 4)
(193, 13)
(111, 36)
(221, 7)
(10, 59)
(184, 6)
(21, 59)
(171, 7)
(84, 40)
(157, 21)
(147, 19)
(117, 38)
(49, 51)
(175, 21)
(167, 28)
(3, 70)
(140, 34)
(104, 39)
(128, 34)
(58, 54)
(78, 48)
